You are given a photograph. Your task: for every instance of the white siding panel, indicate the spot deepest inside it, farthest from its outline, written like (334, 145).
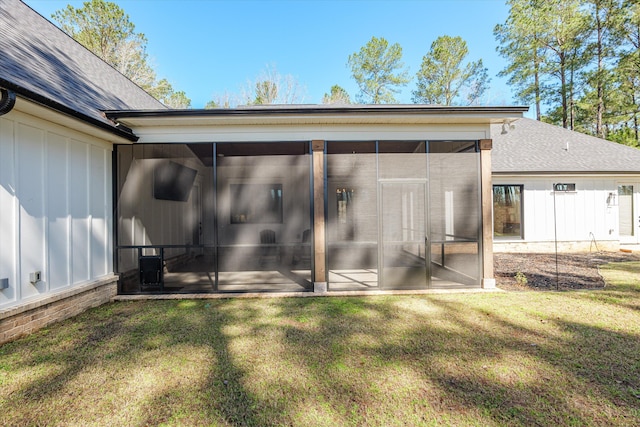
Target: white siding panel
(590, 209)
(30, 190)
(108, 209)
(609, 196)
(59, 222)
(537, 214)
(55, 215)
(578, 217)
(98, 212)
(566, 215)
(8, 213)
(596, 209)
(79, 211)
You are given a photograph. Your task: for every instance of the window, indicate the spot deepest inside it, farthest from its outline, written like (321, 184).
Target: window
(256, 203)
(507, 211)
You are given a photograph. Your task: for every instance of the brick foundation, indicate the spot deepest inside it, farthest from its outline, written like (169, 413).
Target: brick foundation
(35, 314)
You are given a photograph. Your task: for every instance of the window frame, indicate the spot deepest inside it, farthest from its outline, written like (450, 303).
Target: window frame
(510, 237)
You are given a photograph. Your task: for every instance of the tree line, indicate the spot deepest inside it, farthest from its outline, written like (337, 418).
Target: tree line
(105, 29)
(444, 78)
(576, 61)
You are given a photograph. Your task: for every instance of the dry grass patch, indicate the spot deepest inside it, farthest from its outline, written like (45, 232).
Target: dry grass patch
(523, 358)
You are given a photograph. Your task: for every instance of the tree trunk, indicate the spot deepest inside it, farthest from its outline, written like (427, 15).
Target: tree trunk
(538, 98)
(536, 77)
(635, 120)
(563, 90)
(599, 75)
(572, 72)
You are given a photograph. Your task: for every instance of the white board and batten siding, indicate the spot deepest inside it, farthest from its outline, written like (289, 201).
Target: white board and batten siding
(55, 207)
(579, 219)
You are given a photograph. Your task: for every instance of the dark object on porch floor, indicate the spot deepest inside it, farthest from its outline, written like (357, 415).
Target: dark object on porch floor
(151, 272)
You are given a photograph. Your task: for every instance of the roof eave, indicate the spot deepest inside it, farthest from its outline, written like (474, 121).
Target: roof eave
(317, 114)
(115, 128)
(315, 110)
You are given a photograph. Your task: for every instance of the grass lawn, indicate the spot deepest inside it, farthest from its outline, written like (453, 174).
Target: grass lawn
(513, 358)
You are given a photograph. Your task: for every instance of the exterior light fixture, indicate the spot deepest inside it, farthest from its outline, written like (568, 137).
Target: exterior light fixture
(507, 126)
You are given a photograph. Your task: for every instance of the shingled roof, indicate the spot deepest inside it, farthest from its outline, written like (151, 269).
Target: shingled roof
(40, 62)
(535, 147)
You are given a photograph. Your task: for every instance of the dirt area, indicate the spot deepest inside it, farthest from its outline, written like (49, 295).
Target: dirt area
(575, 270)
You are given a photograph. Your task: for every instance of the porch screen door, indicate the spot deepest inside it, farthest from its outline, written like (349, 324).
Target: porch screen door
(403, 250)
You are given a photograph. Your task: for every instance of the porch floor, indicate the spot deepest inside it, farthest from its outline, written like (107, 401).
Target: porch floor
(282, 281)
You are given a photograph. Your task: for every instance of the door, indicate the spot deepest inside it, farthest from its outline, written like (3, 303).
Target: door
(628, 215)
(403, 252)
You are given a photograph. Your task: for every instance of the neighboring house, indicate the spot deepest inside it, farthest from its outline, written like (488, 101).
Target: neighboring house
(596, 202)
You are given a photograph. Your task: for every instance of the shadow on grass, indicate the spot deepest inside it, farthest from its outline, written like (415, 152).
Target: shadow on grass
(549, 374)
(476, 363)
(411, 360)
(129, 338)
(224, 397)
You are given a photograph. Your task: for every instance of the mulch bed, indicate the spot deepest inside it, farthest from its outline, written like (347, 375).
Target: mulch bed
(574, 271)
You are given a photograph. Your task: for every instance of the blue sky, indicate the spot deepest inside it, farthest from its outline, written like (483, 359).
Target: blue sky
(207, 47)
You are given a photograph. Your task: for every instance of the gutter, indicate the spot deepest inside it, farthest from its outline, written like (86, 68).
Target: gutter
(116, 128)
(312, 110)
(7, 100)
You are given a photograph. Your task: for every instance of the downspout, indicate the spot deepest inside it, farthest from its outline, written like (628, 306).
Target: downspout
(7, 100)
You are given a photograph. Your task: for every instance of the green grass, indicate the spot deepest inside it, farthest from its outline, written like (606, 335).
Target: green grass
(519, 358)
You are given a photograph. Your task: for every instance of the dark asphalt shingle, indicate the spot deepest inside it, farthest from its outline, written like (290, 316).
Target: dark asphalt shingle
(38, 57)
(536, 147)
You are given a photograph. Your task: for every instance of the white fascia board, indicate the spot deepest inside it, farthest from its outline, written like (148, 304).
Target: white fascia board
(190, 134)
